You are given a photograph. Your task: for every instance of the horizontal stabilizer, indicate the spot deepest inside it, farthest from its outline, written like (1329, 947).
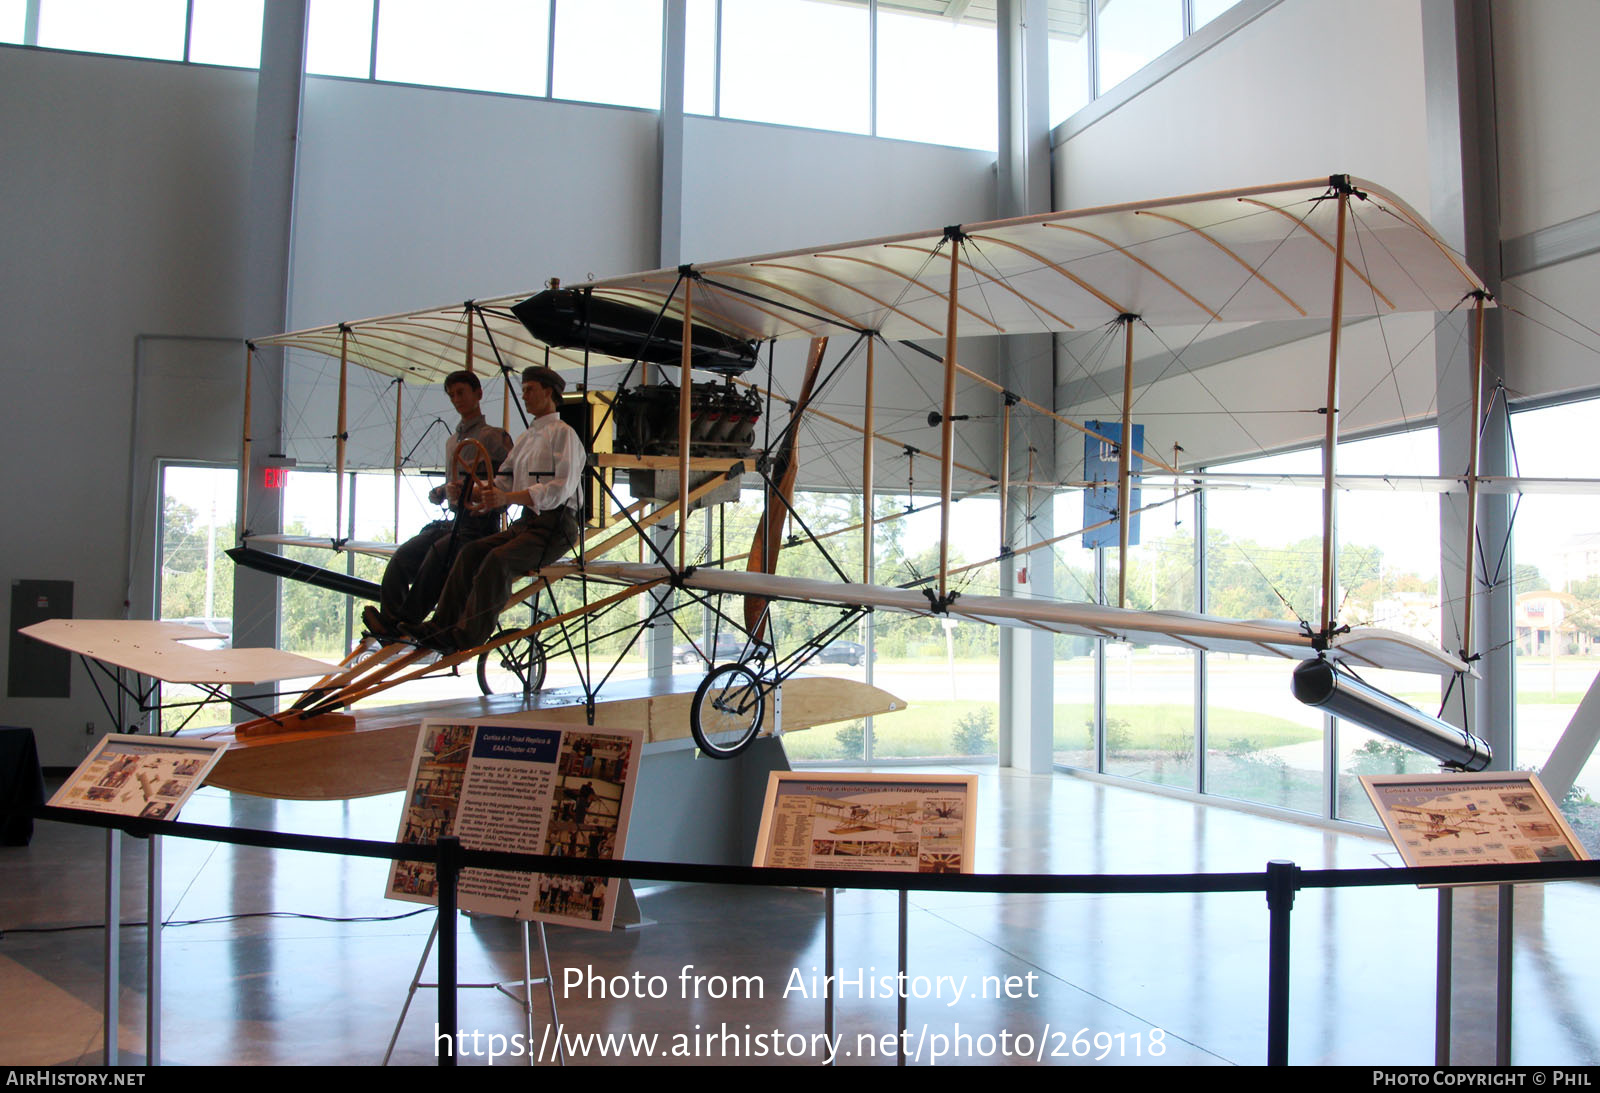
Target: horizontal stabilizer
(288, 568)
(158, 650)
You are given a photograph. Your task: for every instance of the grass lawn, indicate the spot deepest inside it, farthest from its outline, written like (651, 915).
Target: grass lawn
(930, 729)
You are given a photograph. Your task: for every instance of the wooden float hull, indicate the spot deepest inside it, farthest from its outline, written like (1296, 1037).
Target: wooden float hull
(375, 755)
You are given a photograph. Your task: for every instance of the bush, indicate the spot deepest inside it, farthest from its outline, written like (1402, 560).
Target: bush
(1377, 757)
(974, 733)
(850, 742)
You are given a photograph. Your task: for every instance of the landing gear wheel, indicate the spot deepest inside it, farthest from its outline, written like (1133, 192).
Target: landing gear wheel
(726, 713)
(512, 667)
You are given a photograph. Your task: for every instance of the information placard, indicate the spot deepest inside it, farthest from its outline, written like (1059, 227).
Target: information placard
(128, 774)
(907, 823)
(527, 789)
(1490, 818)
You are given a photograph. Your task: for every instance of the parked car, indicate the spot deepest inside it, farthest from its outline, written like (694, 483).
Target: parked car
(730, 647)
(852, 653)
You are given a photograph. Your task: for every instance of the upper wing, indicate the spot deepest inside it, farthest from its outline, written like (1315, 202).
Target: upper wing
(1244, 255)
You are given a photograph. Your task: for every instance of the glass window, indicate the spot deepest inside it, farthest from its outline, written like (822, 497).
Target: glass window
(132, 28)
(1389, 577)
(609, 51)
(194, 574)
(226, 32)
(1150, 729)
(482, 45)
(1207, 10)
(936, 79)
(700, 58)
(1132, 33)
(1075, 656)
(13, 20)
(1263, 560)
(1069, 58)
(947, 670)
(339, 38)
(819, 78)
(1556, 575)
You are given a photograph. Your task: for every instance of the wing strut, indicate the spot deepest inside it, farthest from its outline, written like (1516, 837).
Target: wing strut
(947, 427)
(769, 532)
(338, 440)
(1330, 441)
(1125, 461)
(684, 402)
(1472, 476)
(867, 509)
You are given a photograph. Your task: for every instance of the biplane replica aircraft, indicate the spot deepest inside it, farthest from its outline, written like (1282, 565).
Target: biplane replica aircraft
(684, 404)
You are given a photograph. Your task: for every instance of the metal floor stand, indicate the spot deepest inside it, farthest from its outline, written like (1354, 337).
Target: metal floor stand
(525, 1001)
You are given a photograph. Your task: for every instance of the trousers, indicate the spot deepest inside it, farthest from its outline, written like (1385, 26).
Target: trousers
(480, 580)
(416, 573)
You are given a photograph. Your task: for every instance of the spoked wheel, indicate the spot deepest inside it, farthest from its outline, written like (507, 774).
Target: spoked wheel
(727, 709)
(517, 666)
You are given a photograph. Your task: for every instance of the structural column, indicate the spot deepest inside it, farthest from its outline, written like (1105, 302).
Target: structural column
(1458, 75)
(271, 221)
(1026, 368)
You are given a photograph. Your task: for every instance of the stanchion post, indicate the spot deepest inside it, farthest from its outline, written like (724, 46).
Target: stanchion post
(449, 871)
(1442, 978)
(1502, 976)
(152, 960)
(113, 945)
(1283, 879)
(900, 1050)
(827, 962)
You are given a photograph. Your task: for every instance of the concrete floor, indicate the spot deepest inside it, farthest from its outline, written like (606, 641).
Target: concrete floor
(1106, 970)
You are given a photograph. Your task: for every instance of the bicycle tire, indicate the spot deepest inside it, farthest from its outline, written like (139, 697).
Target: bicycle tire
(727, 710)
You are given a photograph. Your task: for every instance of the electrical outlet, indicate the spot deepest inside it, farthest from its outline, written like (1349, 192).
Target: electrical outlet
(88, 727)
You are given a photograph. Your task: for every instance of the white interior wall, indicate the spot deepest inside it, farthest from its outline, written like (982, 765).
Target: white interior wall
(1547, 353)
(121, 207)
(1306, 90)
(1546, 85)
(409, 197)
(752, 188)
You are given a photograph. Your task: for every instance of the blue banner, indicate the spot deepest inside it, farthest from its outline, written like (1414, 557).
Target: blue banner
(1100, 467)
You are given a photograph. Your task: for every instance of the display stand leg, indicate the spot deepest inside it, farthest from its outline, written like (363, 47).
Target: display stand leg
(827, 964)
(629, 916)
(525, 1000)
(411, 991)
(550, 982)
(152, 957)
(1502, 985)
(900, 1028)
(527, 984)
(113, 947)
(1442, 979)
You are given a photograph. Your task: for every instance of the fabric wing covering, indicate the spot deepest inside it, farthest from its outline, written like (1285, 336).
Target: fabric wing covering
(1364, 647)
(1247, 255)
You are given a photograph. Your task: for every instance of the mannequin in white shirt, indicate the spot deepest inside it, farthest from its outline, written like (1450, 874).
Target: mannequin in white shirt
(543, 474)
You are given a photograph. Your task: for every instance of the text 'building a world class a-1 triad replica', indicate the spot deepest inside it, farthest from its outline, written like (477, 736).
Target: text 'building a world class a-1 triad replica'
(723, 388)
